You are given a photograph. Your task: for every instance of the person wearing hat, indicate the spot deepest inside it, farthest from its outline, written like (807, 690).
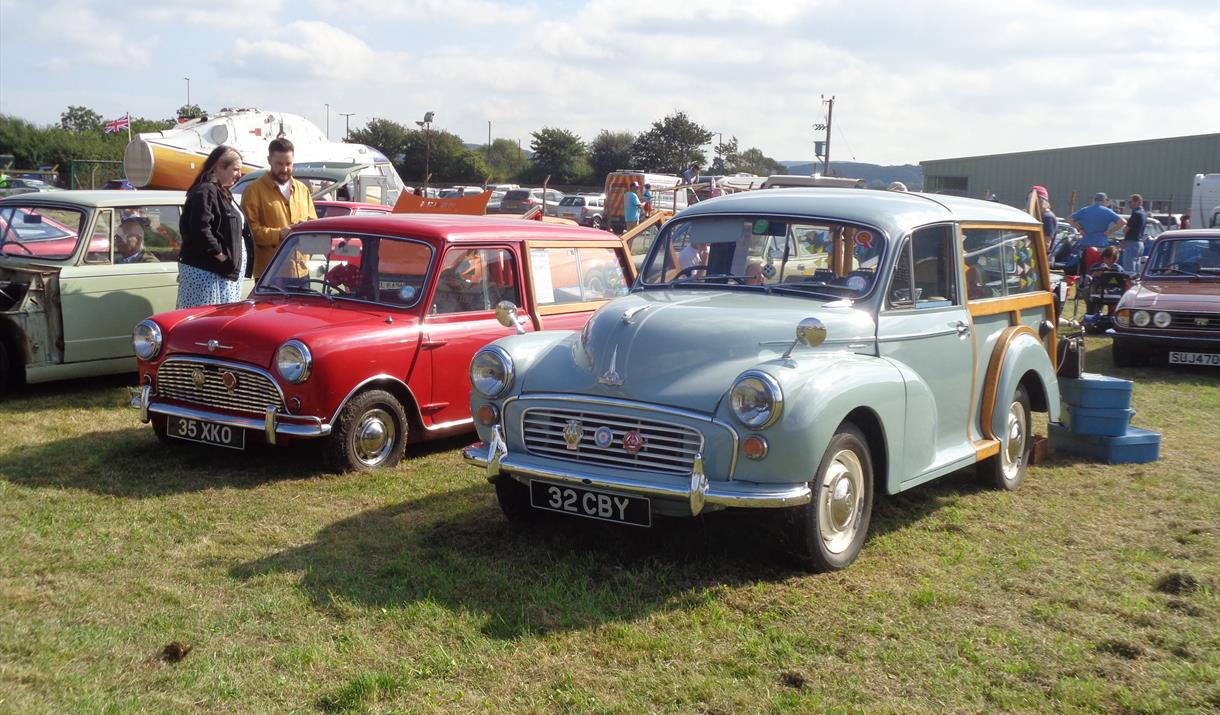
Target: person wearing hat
(1097, 222)
(631, 206)
(1050, 224)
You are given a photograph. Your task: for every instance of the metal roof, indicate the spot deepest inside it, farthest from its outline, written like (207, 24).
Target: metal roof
(98, 198)
(454, 227)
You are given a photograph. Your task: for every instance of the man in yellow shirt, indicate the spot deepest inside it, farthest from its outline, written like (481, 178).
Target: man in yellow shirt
(275, 203)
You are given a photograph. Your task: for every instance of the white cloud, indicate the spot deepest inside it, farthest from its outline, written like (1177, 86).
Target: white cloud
(86, 38)
(481, 12)
(310, 50)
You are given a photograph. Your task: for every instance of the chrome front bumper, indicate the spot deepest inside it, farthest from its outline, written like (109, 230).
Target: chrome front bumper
(271, 424)
(495, 459)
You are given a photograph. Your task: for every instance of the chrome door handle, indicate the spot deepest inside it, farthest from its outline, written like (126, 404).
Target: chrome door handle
(963, 329)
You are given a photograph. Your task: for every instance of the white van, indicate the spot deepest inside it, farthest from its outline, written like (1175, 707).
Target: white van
(1205, 201)
(784, 181)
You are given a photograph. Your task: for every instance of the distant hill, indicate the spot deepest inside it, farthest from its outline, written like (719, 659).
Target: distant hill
(876, 175)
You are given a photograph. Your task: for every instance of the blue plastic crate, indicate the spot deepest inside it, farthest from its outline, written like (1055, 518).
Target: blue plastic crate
(1096, 391)
(1102, 422)
(1136, 446)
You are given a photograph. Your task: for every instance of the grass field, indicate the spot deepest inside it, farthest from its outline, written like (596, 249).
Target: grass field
(1092, 589)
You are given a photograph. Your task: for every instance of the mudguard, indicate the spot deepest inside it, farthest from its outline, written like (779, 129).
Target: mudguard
(1018, 353)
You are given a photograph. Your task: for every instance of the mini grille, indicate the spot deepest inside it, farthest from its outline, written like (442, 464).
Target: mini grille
(1195, 321)
(253, 391)
(667, 448)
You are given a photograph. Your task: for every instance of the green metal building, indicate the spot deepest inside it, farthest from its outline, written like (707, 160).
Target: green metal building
(1160, 170)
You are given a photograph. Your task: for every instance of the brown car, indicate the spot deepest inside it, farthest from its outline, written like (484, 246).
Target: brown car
(1173, 310)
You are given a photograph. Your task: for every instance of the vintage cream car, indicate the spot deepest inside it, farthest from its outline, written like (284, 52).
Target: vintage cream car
(73, 283)
(795, 349)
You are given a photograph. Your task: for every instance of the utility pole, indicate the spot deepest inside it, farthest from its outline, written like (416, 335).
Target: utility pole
(328, 121)
(188, 92)
(829, 114)
(347, 124)
(488, 140)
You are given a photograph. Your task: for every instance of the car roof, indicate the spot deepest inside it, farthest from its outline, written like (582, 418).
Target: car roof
(1190, 233)
(457, 228)
(896, 212)
(99, 198)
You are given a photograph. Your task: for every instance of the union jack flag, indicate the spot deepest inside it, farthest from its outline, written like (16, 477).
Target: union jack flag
(118, 125)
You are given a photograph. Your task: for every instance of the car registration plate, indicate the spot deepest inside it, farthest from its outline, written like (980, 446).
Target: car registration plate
(1178, 358)
(591, 503)
(206, 432)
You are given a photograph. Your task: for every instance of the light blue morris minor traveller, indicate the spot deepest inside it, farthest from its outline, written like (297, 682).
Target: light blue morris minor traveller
(793, 349)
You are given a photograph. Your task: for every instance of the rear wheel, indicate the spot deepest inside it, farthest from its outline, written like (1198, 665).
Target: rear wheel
(370, 433)
(827, 533)
(1006, 470)
(597, 222)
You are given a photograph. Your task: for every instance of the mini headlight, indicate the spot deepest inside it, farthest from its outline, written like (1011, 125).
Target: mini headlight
(491, 372)
(294, 361)
(146, 339)
(1141, 318)
(756, 400)
(1161, 319)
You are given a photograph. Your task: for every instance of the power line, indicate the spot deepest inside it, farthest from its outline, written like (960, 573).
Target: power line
(844, 137)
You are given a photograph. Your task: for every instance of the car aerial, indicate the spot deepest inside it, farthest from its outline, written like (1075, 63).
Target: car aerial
(330, 209)
(585, 209)
(360, 332)
(522, 200)
(799, 349)
(70, 288)
(1172, 312)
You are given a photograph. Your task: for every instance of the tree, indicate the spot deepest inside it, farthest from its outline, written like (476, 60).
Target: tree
(80, 119)
(730, 160)
(670, 145)
(388, 137)
(560, 154)
(191, 111)
(608, 152)
(505, 160)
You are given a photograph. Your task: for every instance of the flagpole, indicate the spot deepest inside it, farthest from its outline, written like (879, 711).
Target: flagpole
(129, 127)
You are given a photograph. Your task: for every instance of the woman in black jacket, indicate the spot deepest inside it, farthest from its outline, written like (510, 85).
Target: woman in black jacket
(214, 254)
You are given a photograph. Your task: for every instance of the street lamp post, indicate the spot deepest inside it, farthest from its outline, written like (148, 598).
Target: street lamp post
(188, 92)
(327, 121)
(347, 124)
(426, 124)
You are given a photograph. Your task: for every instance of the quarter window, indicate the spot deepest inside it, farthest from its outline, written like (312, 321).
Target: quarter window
(1000, 262)
(576, 275)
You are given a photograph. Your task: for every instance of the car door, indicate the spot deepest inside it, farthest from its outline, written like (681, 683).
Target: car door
(925, 328)
(104, 296)
(461, 319)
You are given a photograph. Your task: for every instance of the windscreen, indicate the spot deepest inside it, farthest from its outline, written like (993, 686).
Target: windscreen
(40, 231)
(376, 269)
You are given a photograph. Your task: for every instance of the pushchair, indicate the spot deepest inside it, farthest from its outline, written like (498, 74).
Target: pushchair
(1101, 292)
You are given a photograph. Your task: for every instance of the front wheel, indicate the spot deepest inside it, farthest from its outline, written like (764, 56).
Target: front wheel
(370, 433)
(1006, 470)
(597, 222)
(827, 533)
(1125, 356)
(514, 499)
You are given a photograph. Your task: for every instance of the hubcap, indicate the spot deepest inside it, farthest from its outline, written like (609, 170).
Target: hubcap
(839, 501)
(1014, 441)
(374, 437)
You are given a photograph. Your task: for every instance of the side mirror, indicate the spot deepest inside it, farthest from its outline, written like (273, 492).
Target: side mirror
(809, 331)
(506, 315)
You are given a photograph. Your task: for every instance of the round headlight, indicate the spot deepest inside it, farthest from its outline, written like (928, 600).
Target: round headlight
(1141, 318)
(491, 372)
(756, 400)
(146, 339)
(1161, 319)
(293, 361)
(1122, 318)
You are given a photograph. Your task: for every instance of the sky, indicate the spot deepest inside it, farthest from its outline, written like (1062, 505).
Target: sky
(912, 81)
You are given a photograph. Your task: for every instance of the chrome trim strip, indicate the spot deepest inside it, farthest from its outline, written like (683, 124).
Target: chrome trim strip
(737, 494)
(916, 336)
(630, 405)
(451, 424)
(828, 341)
(315, 427)
(383, 376)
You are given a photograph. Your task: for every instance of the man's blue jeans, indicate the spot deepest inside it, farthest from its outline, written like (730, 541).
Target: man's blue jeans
(1132, 250)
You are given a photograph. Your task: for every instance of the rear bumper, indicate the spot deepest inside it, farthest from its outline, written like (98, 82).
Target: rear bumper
(495, 459)
(272, 424)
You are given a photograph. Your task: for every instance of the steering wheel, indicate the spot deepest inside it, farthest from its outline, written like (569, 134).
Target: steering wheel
(20, 245)
(688, 270)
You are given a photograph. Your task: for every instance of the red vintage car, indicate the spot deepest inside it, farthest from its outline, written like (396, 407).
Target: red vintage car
(361, 331)
(331, 209)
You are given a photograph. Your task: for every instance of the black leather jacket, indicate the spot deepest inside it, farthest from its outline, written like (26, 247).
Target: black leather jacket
(211, 225)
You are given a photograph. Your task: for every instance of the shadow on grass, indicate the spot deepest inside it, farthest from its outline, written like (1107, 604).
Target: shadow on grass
(83, 393)
(559, 573)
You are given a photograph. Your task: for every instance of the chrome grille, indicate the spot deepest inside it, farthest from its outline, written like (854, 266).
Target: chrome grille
(668, 448)
(1195, 321)
(253, 392)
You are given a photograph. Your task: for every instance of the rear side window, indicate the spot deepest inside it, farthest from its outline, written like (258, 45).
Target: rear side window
(576, 275)
(517, 195)
(1000, 262)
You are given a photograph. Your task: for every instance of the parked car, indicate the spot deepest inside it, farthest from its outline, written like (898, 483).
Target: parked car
(914, 340)
(68, 297)
(460, 191)
(118, 185)
(330, 209)
(14, 185)
(585, 209)
(369, 344)
(1172, 312)
(521, 200)
(339, 181)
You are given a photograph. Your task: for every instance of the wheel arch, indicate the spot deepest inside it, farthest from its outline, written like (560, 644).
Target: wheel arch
(13, 342)
(869, 423)
(397, 388)
(1019, 358)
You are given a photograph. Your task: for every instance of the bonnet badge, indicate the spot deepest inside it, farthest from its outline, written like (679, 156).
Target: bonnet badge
(611, 377)
(572, 432)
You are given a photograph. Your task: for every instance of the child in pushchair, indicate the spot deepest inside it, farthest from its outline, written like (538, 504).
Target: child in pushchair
(1101, 287)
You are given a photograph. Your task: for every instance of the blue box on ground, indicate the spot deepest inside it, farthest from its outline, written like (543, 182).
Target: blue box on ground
(1096, 391)
(1106, 422)
(1136, 446)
